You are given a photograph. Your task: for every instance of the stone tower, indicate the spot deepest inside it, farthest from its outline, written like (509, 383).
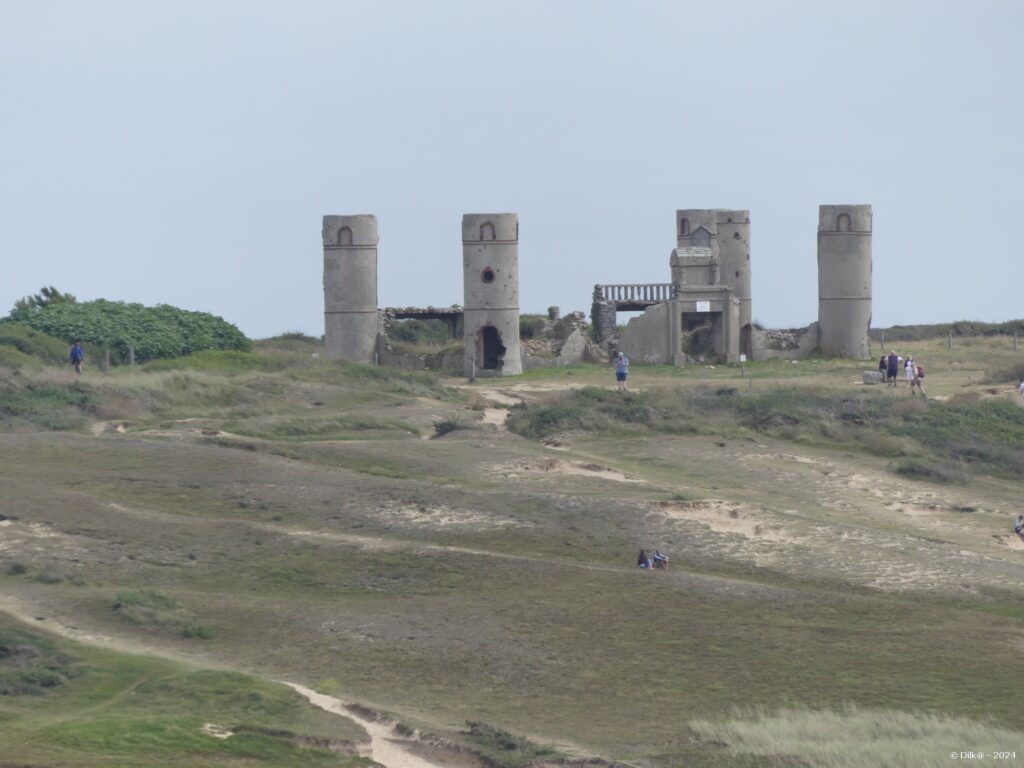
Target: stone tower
(490, 270)
(350, 287)
(733, 230)
(844, 279)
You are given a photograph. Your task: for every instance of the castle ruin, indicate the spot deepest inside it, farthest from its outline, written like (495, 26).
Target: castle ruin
(708, 298)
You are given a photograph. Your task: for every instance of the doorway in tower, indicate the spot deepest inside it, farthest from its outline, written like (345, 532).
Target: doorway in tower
(747, 341)
(493, 349)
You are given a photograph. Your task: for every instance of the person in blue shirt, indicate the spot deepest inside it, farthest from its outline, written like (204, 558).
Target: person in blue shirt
(621, 370)
(77, 355)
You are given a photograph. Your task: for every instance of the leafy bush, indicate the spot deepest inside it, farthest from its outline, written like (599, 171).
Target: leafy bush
(154, 332)
(528, 325)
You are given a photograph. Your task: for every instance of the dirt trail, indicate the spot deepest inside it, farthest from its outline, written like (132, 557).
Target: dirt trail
(384, 747)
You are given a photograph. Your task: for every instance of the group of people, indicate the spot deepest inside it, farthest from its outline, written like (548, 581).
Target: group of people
(913, 373)
(659, 561)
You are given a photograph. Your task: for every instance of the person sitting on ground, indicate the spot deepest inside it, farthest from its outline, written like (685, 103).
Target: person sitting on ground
(1018, 527)
(660, 560)
(642, 561)
(1020, 387)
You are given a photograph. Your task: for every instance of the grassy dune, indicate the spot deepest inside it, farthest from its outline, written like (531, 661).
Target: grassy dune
(285, 517)
(65, 703)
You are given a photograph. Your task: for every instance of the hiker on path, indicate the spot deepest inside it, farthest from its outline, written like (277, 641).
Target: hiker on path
(918, 380)
(892, 368)
(908, 372)
(621, 370)
(77, 355)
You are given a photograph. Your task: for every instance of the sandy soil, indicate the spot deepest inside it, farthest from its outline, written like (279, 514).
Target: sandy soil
(385, 747)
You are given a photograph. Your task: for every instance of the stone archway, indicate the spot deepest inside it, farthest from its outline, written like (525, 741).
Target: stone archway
(492, 348)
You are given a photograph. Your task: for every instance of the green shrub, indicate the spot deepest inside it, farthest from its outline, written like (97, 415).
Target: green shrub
(447, 425)
(154, 332)
(528, 325)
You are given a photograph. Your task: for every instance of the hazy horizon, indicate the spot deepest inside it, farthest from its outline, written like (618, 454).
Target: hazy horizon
(185, 153)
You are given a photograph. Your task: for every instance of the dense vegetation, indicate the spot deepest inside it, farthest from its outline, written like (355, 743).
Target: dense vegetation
(153, 332)
(960, 328)
(967, 433)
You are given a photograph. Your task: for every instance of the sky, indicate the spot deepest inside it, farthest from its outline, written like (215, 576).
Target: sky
(184, 152)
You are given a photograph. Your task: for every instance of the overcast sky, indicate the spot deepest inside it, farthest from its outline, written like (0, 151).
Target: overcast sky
(185, 152)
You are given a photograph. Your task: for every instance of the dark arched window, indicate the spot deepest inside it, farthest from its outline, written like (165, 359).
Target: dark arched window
(487, 231)
(684, 227)
(843, 223)
(344, 236)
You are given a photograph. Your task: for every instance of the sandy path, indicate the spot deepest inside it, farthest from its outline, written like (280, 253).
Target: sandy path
(384, 749)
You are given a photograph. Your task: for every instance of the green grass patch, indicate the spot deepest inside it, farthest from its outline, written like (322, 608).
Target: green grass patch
(39, 405)
(941, 440)
(98, 708)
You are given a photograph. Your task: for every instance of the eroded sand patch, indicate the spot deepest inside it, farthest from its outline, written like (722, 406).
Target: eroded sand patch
(563, 467)
(217, 731)
(722, 517)
(443, 517)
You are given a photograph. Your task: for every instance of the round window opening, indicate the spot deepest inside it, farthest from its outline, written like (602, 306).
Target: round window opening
(487, 275)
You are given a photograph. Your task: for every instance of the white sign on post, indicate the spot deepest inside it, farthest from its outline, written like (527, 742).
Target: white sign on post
(703, 306)
(743, 358)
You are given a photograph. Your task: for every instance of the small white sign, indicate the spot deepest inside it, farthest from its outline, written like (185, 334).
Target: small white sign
(743, 358)
(703, 306)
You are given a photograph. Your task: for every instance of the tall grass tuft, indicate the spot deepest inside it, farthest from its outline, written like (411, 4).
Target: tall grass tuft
(855, 738)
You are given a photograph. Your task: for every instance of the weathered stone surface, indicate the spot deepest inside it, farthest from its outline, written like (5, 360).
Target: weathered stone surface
(573, 349)
(874, 377)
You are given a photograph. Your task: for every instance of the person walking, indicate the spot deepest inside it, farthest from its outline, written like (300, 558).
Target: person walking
(908, 372)
(918, 380)
(892, 368)
(77, 355)
(621, 370)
